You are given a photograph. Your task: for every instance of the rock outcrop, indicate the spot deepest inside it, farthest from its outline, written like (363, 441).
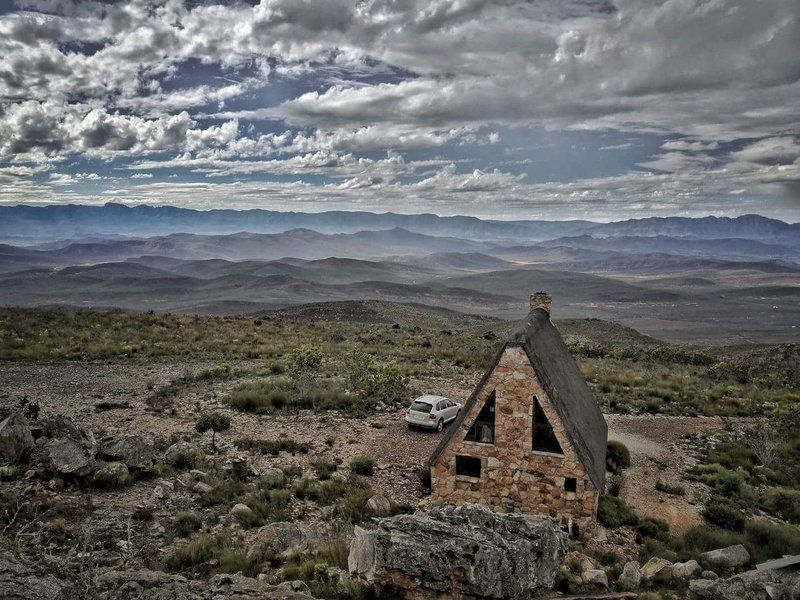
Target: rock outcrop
(15, 438)
(20, 582)
(467, 552)
(776, 584)
(378, 506)
(631, 575)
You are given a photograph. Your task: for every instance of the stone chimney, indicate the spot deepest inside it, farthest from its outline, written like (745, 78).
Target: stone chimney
(542, 300)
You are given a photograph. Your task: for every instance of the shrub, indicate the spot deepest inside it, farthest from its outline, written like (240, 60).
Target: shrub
(724, 515)
(186, 523)
(323, 470)
(783, 502)
(649, 527)
(618, 456)
(669, 488)
(362, 465)
(268, 506)
(273, 447)
(767, 540)
(424, 474)
(613, 512)
(212, 421)
(205, 553)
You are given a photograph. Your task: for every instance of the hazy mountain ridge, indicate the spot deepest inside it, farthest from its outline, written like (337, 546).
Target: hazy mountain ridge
(47, 223)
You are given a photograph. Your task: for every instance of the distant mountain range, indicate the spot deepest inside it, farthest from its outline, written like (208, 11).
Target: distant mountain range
(56, 222)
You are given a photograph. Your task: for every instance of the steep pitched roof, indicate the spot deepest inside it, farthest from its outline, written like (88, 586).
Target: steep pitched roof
(565, 386)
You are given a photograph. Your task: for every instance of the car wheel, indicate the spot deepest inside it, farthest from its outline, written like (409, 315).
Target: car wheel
(440, 425)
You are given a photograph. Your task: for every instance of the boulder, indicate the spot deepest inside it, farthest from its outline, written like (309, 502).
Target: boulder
(750, 585)
(61, 427)
(732, 556)
(20, 582)
(580, 562)
(709, 575)
(653, 567)
(378, 506)
(111, 474)
(465, 552)
(631, 576)
(69, 457)
(134, 451)
(242, 512)
(595, 578)
(15, 438)
(686, 570)
(201, 488)
(281, 538)
(182, 455)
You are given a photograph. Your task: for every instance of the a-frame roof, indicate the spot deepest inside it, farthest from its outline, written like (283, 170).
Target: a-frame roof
(562, 380)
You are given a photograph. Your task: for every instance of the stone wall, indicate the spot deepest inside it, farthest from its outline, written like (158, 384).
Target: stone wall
(510, 469)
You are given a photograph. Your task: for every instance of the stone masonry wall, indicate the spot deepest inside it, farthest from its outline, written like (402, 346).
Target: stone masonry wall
(509, 467)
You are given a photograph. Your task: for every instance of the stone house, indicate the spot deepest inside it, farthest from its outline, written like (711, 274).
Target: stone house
(531, 437)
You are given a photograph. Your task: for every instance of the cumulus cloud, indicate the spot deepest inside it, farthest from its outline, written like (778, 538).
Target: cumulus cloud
(130, 82)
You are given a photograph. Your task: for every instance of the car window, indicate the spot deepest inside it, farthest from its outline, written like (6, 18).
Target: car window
(421, 407)
(440, 406)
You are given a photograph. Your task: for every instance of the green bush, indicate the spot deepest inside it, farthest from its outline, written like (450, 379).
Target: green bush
(649, 527)
(362, 465)
(273, 447)
(724, 515)
(205, 554)
(669, 488)
(613, 512)
(782, 502)
(187, 523)
(618, 456)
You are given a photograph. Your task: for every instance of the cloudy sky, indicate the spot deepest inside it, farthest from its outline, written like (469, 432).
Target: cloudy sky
(538, 109)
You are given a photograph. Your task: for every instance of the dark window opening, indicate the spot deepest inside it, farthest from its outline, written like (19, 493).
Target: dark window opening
(570, 484)
(544, 439)
(482, 429)
(422, 407)
(468, 465)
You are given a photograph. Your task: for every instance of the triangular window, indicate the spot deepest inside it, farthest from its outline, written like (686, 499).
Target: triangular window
(544, 439)
(482, 429)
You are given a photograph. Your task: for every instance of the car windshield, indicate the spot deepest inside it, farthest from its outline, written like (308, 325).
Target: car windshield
(421, 407)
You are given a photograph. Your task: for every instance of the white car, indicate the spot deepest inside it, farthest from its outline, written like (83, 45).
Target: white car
(432, 412)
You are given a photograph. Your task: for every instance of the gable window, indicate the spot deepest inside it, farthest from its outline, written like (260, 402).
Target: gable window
(482, 429)
(468, 465)
(544, 439)
(570, 484)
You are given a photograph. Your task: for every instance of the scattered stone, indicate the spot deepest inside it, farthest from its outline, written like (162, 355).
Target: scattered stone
(653, 567)
(595, 578)
(241, 512)
(378, 506)
(631, 576)
(201, 488)
(20, 582)
(110, 474)
(134, 451)
(686, 570)
(732, 556)
(15, 438)
(466, 552)
(69, 457)
(281, 538)
(750, 585)
(182, 455)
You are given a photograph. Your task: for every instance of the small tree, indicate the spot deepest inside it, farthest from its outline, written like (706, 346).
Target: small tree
(303, 363)
(215, 422)
(765, 442)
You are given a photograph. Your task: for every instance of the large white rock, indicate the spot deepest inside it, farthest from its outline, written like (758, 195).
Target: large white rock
(732, 556)
(464, 552)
